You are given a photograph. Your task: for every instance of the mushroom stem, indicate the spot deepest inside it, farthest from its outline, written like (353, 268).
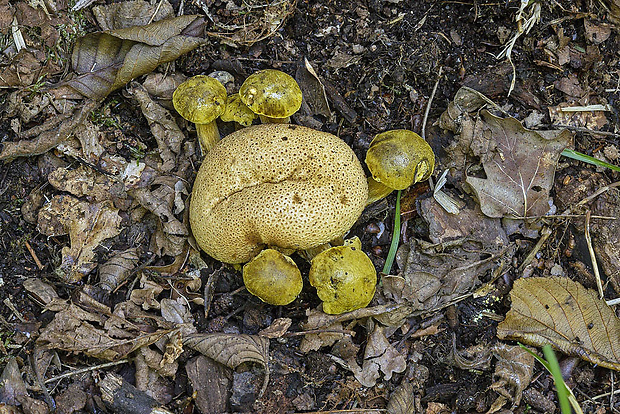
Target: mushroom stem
(208, 136)
(377, 191)
(269, 120)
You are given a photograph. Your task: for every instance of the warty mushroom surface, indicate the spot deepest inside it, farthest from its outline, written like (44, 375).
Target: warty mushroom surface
(275, 185)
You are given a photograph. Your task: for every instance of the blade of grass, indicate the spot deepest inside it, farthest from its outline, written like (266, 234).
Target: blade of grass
(576, 155)
(565, 395)
(389, 261)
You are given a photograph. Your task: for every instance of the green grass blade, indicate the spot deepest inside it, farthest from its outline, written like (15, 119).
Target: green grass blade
(560, 386)
(395, 238)
(576, 155)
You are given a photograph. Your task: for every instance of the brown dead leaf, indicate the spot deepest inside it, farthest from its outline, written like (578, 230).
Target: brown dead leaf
(379, 355)
(131, 13)
(233, 350)
(86, 182)
(314, 94)
(278, 328)
(432, 276)
(402, 400)
(564, 314)
(513, 372)
(519, 165)
(596, 32)
(212, 389)
(75, 329)
(87, 225)
(117, 269)
(314, 341)
(164, 128)
(106, 61)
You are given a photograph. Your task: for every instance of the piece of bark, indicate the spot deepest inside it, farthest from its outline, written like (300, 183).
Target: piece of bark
(122, 397)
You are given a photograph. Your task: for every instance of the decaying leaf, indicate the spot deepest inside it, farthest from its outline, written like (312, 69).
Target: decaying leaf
(131, 13)
(314, 341)
(75, 329)
(105, 61)
(379, 355)
(278, 328)
(595, 120)
(402, 400)
(117, 269)
(313, 90)
(86, 182)
(564, 314)
(87, 225)
(212, 391)
(513, 372)
(519, 166)
(232, 350)
(434, 275)
(163, 126)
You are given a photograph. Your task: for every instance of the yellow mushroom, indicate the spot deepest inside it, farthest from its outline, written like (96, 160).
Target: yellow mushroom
(237, 111)
(397, 159)
(201, 99)
(344, 277)
(275, 185)
(272, 94)
(273, 277)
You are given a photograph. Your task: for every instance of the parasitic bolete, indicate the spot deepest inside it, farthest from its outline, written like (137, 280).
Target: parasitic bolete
(275, 185)
(397, 159)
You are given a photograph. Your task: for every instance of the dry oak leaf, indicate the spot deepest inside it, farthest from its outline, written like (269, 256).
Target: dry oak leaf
(519, 165)
(563, 313)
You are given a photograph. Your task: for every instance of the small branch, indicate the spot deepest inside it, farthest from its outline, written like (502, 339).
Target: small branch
(597, 275)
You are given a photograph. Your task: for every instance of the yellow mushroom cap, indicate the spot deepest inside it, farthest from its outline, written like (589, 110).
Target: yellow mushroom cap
(237, 111)
(271, 93)
(200, 99)
(344, 277)
(400, 158)
(275, 185)
(273, 277)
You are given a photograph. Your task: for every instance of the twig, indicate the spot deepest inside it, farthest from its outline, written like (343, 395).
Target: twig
(545, 233)
(592, 196)
(430, 100)
(34, 255)
(83, 370)
(597, 275)
(319, 331)
(13, 309)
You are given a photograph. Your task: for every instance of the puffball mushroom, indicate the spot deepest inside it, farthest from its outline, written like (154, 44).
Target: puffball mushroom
(273, 277)
(397, 159)
(272, 94)
(275, 185)
(201, 99)
(344, 277)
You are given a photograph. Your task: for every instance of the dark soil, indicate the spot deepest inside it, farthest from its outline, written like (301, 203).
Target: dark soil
(380, 61)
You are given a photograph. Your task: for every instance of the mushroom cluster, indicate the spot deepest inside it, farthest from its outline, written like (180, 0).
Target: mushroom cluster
(273, 188)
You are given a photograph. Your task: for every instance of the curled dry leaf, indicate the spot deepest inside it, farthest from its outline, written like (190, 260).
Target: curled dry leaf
(402, 400)
(163, 126)
(106, 61)
(233, 350)
(117, 269)
(564, 314)
(131, 13)
(513, 372)
(519, 165)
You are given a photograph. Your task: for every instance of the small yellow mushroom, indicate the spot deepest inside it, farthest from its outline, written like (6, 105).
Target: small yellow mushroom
(201, 99)
(272, 94)
(397, 159)
(275, 185)
(273, 277)
(344, 277)
(237, 111)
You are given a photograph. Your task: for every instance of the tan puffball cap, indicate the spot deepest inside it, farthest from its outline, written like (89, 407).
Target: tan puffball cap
(271, 93)
(200, 99)
(273, 277)
(344, 277)
(275, 185)
(400, 158)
